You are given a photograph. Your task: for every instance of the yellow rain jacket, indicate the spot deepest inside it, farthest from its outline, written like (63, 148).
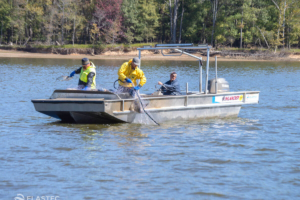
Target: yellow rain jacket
(84, 75)
(126, 71)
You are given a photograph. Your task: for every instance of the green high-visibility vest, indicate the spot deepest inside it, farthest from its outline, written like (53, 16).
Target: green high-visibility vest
(84, 73)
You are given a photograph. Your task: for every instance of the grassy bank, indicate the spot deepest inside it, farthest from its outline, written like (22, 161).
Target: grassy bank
(86, 46)
(256, 49)
(76, 48)
(136, 45)
(126, 49)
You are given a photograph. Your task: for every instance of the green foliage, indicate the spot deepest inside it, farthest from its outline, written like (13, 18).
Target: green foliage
(46, 22)
(4, 17)
(140, 20)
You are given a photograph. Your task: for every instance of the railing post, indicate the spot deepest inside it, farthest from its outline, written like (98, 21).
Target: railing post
(186, 100)
(200, 74)
(216, 86)
(187, 88)
(207, 70)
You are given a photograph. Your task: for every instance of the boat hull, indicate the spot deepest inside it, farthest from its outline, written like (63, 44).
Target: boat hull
(182, 115)
(135, 117)
(94, 109)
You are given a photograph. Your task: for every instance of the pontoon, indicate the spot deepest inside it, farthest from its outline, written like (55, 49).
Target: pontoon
(106, 107)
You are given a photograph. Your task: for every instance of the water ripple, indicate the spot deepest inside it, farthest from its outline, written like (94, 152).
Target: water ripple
(253, 156)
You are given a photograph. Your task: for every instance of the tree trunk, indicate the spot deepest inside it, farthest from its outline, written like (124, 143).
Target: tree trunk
(51, 28)
(241, 42)
(86, 34)
(203, 35)
(171, 17)
(1, 32)
(175, 14)
(289, 43)
(160, 37)
(74, 29)
(279, 24)
(259, 42)
(182, 11)
(283, 25)
(263, 37)
(26, 31)
(26, 41)
(8, 36)
(163, 37)
(215, 10)
(62, 23)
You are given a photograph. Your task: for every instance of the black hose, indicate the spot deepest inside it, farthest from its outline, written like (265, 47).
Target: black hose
(141, 104)
(115, 83)
(145, 110)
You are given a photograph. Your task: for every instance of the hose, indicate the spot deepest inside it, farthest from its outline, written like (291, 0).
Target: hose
(137, 94)
(115, 83)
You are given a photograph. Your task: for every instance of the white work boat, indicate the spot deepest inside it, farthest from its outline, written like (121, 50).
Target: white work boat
(106, 107)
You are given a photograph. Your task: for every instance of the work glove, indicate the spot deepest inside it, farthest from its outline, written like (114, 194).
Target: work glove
(72, 74)
(137, 87)
(128, 80)
(86, 88)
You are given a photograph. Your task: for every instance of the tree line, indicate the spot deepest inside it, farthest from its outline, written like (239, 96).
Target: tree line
(271, 24)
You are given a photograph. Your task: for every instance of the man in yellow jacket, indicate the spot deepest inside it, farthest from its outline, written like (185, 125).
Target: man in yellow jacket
(128, 74)
(87, 79)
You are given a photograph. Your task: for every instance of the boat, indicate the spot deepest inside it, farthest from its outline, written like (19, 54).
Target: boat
(107, 107)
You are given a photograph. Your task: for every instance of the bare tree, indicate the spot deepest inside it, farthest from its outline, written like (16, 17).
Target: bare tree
(50, 19)
(1, 32)
(215, 9)
(62, 4)
(173, 9)
(182, 11)
(171, 17)
(98, 18)
(263, 36)
(73, 37)
(241, 42)
(175, 15)
(281, 19)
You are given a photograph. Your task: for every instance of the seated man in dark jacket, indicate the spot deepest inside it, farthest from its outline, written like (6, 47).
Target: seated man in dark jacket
(171, 87)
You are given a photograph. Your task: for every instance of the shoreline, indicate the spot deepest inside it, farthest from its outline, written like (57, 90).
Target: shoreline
(145, 56)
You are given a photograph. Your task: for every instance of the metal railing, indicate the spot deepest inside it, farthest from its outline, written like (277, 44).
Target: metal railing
(180, 48)
(175, 45)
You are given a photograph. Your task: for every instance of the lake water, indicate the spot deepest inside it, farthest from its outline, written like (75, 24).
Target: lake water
(253, 156)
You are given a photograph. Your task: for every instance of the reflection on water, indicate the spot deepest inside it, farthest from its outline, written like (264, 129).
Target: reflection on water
(253, 156)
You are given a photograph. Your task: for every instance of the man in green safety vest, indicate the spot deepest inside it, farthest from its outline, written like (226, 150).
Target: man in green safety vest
(87, 79)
